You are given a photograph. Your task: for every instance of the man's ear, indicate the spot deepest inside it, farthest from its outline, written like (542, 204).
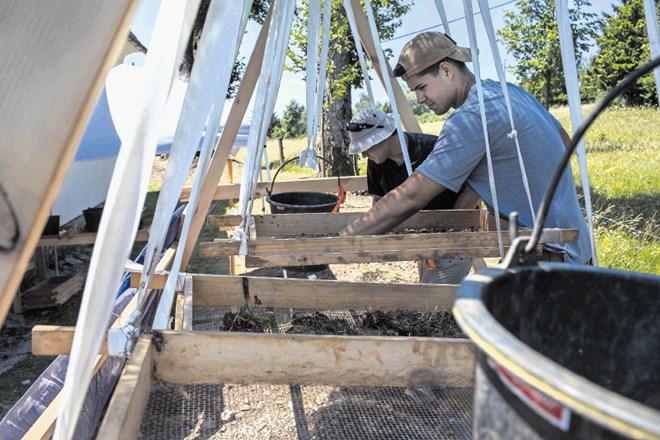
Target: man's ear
(445, 68)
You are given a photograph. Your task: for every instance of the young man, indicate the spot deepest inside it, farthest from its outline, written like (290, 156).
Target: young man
(373, 135)
(433, 66)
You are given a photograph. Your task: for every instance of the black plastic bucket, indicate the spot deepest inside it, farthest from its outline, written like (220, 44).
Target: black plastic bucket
(300, 201)
(52, 226)
(297, 202)
(564, 352)
(92, 219)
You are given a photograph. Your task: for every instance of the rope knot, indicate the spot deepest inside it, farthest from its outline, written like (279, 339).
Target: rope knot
(513, 134)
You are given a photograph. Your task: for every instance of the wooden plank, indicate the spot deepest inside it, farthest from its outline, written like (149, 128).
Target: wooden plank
(80, 238)
(405, 111)
(247, 358)
(48, 340)
(124, 414)
(433, 242)
(39, 143)
(188, 303)
(158, 280)
(227, 138)
(178, 311)
(54, 340)
(228, 191)
(223, 290)
(274, 225)
(372, 257)
(44, 427)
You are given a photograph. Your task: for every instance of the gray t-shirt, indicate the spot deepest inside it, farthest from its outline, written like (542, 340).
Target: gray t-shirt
(460, 156)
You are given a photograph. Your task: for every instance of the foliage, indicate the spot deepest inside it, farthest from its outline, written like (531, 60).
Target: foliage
(624, 46)
(275, 127)
(624, 176)
(258, 13)
(531, 37)
(293, 123)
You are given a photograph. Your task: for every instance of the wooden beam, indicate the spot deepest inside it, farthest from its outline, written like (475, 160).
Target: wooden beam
(34, 83)
(249, 358)
(405, 111)
(188, 303)
(54, 340)
(228, 191)
(227, 138)
(158, 279)
(82, 238)
(178, 312)
(223, 290)
(50, 340)
(124, 414)
(275, 225)
(439, 243)
(372, 256)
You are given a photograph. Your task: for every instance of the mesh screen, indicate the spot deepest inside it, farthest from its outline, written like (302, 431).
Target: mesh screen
(309, 412)
(254, 412)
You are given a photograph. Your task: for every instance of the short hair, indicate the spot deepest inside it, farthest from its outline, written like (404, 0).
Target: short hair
(434, 68)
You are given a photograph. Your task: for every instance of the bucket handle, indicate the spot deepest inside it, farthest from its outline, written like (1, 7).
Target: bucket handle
(296, 158)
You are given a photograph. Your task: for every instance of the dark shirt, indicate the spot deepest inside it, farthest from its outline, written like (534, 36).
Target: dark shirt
(382, 178)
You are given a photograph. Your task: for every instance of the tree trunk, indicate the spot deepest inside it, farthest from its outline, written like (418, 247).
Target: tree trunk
(336, 114)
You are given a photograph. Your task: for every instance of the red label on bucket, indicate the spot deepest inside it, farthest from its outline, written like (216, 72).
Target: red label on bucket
(545, 406)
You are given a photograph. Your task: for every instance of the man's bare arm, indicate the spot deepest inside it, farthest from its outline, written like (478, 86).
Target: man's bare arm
(395, 206)
(566, 139)
(375, 199)
(467, 199)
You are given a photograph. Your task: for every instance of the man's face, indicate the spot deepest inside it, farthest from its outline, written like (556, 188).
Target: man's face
(378, 153)
(435, 92)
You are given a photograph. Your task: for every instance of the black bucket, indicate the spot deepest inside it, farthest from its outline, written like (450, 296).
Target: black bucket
(301, 202)
(92, 219)
(564, 352)
(297, 202)
(52, 226)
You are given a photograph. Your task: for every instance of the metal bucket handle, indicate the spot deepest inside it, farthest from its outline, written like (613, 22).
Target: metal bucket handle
(296, 158)
(522, 248)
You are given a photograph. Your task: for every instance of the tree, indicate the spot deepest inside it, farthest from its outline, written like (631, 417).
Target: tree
(531, 37)
(293, 123)
(343, 72)
(258, 13)
(275, 127)
(624, 46)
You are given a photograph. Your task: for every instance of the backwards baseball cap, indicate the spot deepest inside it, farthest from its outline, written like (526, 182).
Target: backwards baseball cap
(369, 127)
(425, 50)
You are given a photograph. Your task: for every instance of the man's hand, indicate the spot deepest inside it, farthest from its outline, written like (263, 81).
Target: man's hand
(395, 206)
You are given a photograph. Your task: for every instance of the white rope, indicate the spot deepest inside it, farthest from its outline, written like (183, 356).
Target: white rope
(654, 39)
(270, 77)
(315, 90)
(443, 16)
(388, 85)
(311, 76)
(120, 218)
(358, 47)
(220, 42)
(575, 105)
(469, 19)
(490, 31)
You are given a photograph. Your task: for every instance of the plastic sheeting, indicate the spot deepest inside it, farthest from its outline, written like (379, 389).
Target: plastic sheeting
(25, 412)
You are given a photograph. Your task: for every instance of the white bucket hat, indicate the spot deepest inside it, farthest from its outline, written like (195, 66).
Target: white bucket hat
(368, 128)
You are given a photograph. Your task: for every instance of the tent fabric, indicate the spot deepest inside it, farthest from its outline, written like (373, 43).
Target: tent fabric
(110, 123)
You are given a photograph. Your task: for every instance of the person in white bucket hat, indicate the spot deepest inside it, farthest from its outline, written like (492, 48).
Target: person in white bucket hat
(373, 135)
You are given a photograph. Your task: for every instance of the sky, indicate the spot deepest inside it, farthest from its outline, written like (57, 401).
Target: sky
(422, 16)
